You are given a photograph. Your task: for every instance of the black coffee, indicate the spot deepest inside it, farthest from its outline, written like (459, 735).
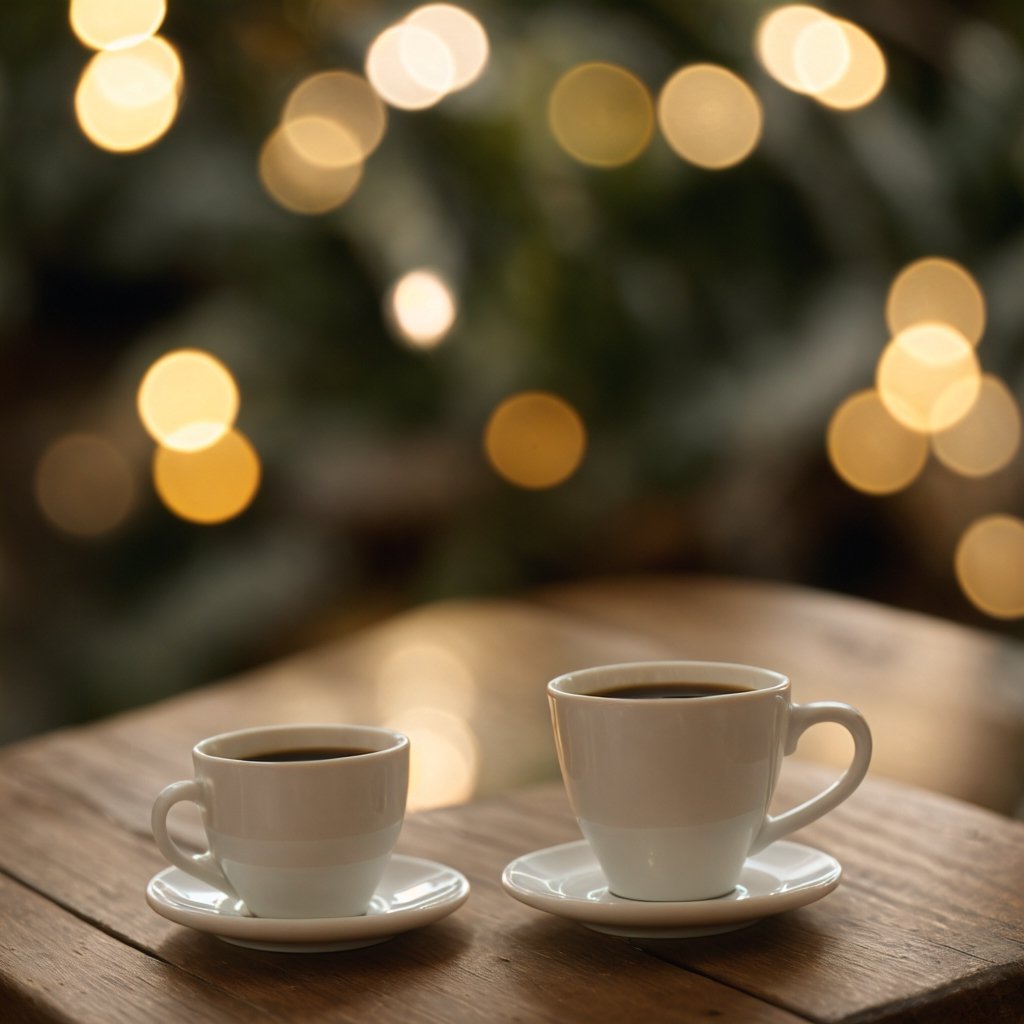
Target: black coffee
(308, 754)
(655, 691)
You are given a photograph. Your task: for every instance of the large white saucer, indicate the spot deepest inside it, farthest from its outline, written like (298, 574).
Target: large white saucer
(567, 881)
(412, 893)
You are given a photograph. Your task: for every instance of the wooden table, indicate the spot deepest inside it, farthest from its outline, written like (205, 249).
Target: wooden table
(926, 926)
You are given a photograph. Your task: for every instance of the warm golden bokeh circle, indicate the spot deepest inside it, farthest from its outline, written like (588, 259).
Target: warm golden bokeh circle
(870, 450)
(334, 118)
(462, 34)
(300, 185)
(84, 485)
(410, 67)
(535, 440)
(709, 116)
(821, 55)
(211, 485)
(865, 74)
(128, 99)
(187, 400)
(928, 377)
(989, 564)
(113, 24)
(987, 438)
(940, 290)
(776, 39)
(601, 114)
(422, 308)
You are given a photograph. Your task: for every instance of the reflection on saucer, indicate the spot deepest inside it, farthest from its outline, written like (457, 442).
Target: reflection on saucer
(567, 881)
(412, 893)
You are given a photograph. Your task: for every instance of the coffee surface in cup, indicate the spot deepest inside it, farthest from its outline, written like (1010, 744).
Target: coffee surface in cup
(658, 691)
(307, 754)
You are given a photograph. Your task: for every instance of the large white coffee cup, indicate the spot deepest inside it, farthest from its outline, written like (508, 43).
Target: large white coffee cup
(295, 838)
(672, 793)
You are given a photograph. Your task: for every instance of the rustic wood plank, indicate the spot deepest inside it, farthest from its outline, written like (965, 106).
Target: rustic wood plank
(54, 966)
(932, 879)
(945, 702)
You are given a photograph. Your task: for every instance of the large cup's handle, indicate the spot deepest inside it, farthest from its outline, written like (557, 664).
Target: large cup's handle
(801, 718)
(199, 865)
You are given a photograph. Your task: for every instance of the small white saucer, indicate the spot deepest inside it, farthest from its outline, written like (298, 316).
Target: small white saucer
(567, 880)
(412, 893)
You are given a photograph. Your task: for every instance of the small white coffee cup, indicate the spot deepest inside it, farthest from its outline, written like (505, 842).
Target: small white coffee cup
(302, 835)
(672, 792)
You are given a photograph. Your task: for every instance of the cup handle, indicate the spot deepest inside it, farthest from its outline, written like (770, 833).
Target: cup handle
(199, 865)
(801, 718)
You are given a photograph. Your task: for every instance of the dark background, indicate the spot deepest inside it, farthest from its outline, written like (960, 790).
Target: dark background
(705, 325)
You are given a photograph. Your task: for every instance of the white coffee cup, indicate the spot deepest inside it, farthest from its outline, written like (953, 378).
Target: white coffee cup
(293, 838)
(672, 793)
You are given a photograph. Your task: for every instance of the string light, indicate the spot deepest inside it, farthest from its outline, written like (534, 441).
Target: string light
(939, 290)
(989, 563)
(422, 308)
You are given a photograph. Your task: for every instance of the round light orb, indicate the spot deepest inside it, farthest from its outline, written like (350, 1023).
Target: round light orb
(114, 24)
(461, 33)
(865, 75)
(776, 38)
(989, 564)
(939, 290)
(298, 183)
(601, 114)
(710, 116)
(928, 377)
(187, 400)
(870, 450)
(422, 308)
(84, 485)
(535, 440)
(410, 67)
(334, 118)
(987, 438)
(208, 486)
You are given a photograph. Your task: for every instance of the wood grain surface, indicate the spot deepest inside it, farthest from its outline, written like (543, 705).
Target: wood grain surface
(926, 926)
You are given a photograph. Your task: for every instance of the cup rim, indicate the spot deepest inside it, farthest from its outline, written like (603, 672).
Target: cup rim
(286, 730)
(771, 682)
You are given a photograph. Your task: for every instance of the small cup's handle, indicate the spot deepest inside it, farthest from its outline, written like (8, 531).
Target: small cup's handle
(801, 718)
(199, 865)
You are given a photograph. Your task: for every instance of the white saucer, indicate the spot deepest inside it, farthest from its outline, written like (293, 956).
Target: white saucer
(567, 880)
(412, 893)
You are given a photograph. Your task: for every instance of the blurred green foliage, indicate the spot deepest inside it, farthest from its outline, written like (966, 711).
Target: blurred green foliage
(704, 324)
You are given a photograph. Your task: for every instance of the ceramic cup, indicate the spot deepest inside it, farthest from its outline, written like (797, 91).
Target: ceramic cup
(673, 793)
(300, 838)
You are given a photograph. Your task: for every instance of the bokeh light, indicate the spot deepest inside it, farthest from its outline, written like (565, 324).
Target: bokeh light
(334, 119)
(113, 24)
(989, 565)
(709, 116)
(425, 673)
(535, 439)
(444, 757)
(777, 37)
(601, 114)
(928, 377)
(410, 67)
(422, 308)
(187, 400)
(870, 450)
(84, 485)
(127, 99)
(821, 55)
(299, 184)
(461, 33)
(940, 290)
(987, 438)
(865, 75)
(211, 485)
